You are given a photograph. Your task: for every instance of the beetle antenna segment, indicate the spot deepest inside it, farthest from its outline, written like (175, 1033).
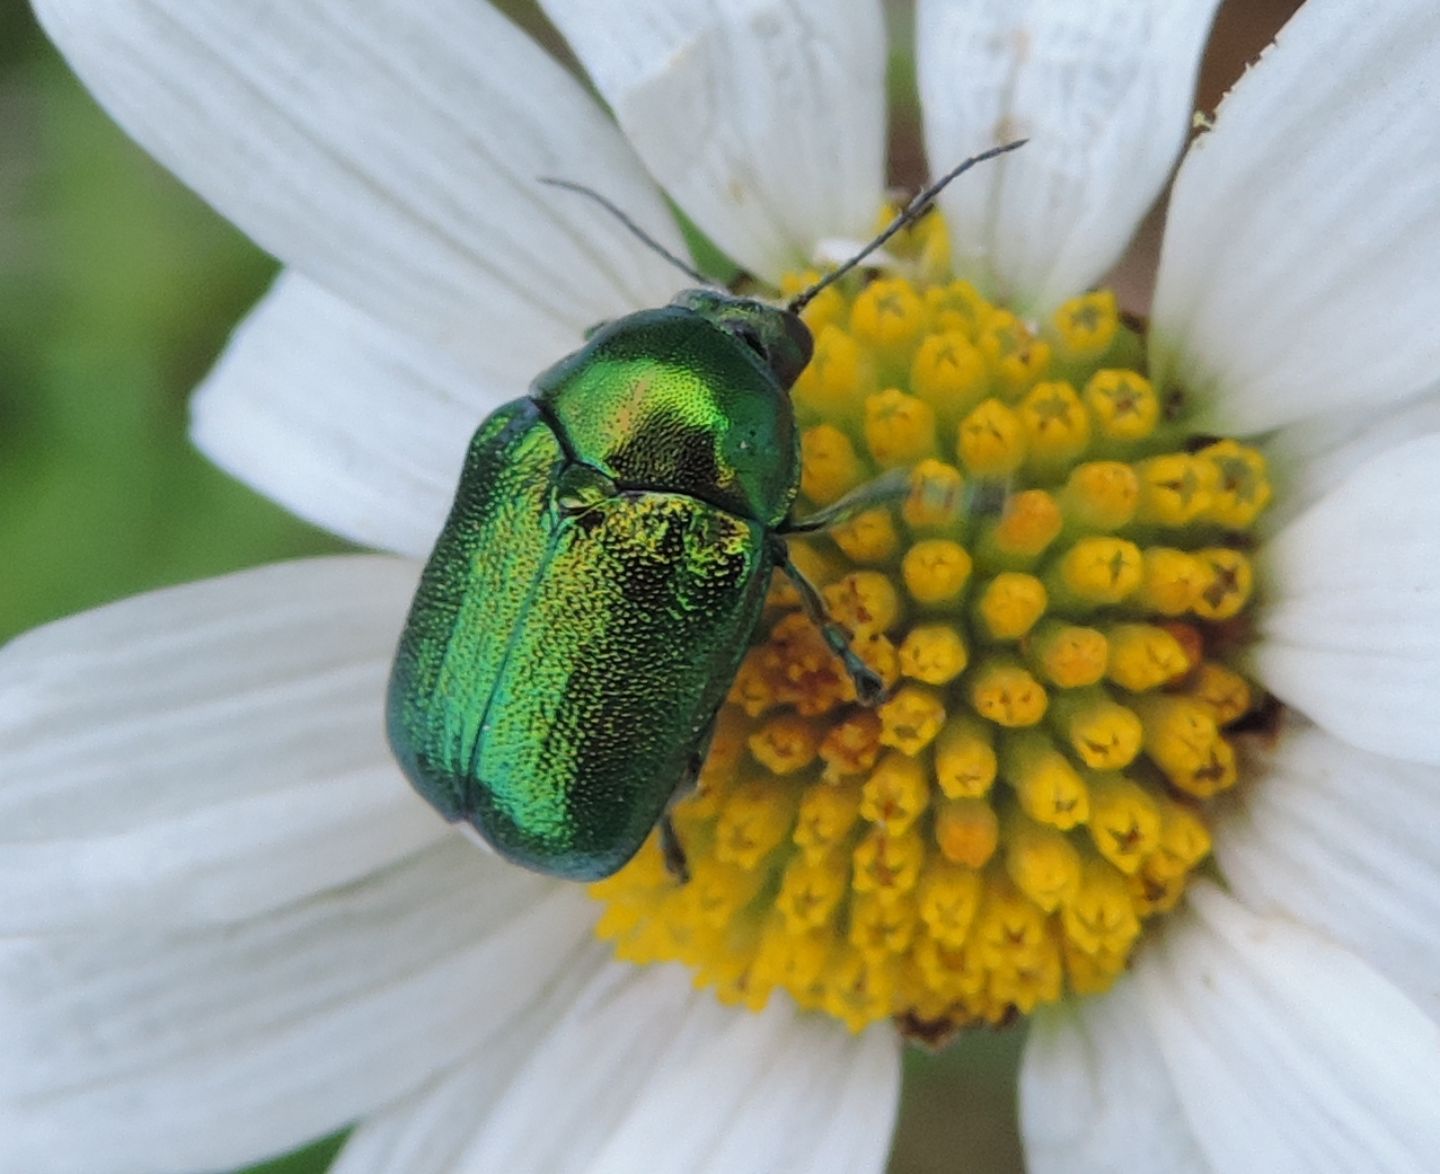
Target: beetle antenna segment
(639, 233)
(911, 212)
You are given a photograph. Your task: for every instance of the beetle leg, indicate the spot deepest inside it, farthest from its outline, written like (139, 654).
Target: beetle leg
(670, 846)
(696, 763)
(869, 686)
(886, 489)
(674, 851)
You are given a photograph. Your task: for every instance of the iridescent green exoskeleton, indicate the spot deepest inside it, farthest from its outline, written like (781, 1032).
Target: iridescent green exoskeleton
(602, 570)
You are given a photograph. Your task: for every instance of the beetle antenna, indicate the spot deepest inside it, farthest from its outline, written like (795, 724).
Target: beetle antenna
(635, 230)
(910, 213)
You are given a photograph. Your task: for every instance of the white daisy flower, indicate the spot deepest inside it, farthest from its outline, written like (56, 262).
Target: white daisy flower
(229, 926)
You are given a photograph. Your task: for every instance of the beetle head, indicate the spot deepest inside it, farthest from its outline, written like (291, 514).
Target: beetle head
(776, 336)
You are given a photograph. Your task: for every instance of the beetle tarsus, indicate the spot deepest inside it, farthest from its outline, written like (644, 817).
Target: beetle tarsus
(869, 685)
(676, 863)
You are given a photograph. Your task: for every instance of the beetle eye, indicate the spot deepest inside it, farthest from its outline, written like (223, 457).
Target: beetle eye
(801, 339)
(747, 335)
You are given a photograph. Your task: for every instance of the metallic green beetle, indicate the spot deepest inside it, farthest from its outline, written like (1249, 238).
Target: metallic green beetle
(600, 575)
(602, 570)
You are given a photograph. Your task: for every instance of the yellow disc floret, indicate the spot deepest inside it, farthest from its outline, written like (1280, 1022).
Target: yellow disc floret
(1051, 605)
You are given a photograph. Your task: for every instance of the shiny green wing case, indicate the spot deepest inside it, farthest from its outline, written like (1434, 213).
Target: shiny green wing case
(559, 670)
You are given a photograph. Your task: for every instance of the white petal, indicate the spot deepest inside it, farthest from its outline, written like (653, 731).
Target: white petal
(427, 1131)
(348, 423)
(765, 119)
(1298, 268)
(391, 152)
(138, 1052)
(781, 1091)
(1349, 630)
(645, 1072)
(1287, 1052)
(1349, 844)
(1103, 92)
(1313, 455)
(204, 753)
(1095, 1096)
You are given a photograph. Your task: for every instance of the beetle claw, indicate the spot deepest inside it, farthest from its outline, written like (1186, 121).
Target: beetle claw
(673, 850)
(869, 687)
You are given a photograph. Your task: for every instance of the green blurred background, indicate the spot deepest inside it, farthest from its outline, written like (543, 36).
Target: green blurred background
(117, 290)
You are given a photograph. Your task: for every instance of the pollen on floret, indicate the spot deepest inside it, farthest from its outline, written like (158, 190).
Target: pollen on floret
(1085, 327)
(830, 465)
(990, 441)
(949, 374)
(1101, 495)
(1053, 606)
(1029, 521)
(1123, 403)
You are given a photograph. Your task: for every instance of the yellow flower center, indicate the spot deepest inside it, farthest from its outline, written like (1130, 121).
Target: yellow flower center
(1051, 608)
